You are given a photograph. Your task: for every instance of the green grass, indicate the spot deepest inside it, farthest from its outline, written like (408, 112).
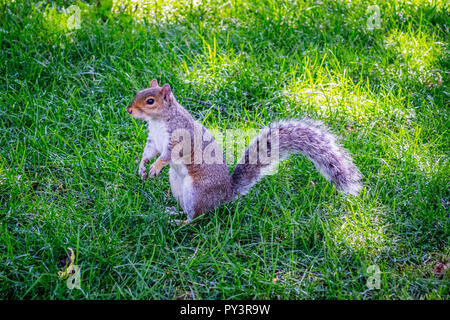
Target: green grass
(69, 152)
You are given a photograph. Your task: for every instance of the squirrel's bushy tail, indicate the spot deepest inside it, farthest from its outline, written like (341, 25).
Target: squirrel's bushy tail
(308, 137)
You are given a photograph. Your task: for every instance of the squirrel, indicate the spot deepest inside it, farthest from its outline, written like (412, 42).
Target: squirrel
(201, 185)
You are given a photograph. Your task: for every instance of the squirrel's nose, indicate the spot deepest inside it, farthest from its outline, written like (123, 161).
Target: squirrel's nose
(129, 110)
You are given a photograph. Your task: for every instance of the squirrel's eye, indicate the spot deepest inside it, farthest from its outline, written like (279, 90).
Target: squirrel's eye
(150, 101)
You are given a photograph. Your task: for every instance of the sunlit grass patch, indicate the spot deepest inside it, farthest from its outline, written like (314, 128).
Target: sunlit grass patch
(407, 147)
(60, 19)
(415, 57)
(359, 227)
(168, 11)
(329, 94)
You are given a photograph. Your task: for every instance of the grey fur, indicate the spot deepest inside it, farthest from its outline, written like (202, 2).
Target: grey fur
(313, 140)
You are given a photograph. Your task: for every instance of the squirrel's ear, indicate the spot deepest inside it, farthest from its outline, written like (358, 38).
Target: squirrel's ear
(166, 92)
(154, 83)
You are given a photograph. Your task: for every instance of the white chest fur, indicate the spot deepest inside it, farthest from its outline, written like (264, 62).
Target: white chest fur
(157, 132)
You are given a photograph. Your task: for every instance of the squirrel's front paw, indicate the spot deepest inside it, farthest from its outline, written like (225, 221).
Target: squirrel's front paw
(153, 172)
(143, 172)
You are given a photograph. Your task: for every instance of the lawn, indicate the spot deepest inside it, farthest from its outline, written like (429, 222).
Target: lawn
(69, 152)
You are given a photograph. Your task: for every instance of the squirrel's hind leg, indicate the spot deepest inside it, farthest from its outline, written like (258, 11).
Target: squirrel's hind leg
(183, 192)
(172, 211)
(179, 222)
(176, 184)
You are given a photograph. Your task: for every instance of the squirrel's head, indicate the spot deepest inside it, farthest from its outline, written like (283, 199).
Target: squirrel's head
(151, 103)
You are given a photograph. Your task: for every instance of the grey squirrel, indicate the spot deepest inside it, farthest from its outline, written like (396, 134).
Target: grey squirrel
(199, 185)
